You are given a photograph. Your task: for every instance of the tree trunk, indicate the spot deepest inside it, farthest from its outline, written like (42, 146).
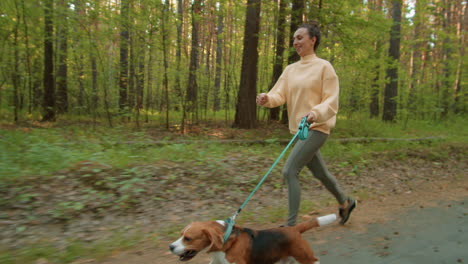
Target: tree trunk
(131, 72)
(279, 59)
(192, 86)
(374, 106)
(180, 22)
(391, 87)
(219, 57)
(78, 55)
(94, 85)
(28, 58)
(246, 108)
(124, 40)
(415, 60)
(149, 69)
(49, 84)
(15, 73)
(460, 102)
(166, 65)
(110, 83)
(297, 18)
(140, 77)
(447, 58)
(62, 71)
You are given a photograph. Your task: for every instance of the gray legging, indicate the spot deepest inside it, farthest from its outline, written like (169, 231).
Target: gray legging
(307, 153)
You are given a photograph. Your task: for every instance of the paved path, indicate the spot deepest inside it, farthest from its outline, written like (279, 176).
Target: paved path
(435, 235)
(432, 232)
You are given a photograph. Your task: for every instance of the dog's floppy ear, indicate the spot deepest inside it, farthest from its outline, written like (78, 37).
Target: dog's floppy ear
(216, 238)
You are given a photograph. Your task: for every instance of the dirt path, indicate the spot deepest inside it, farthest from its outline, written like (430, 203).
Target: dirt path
(384, 230)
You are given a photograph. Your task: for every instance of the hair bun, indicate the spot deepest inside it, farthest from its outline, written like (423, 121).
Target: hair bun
(313, 23)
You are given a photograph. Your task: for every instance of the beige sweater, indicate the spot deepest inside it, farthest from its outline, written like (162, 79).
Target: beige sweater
(309, 85)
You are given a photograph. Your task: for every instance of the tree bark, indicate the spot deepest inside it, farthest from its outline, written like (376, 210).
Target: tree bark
(245, 116)
(179, 24)
(219, 58)
(297, 18)
(124, 40)
(49, 84)
(149, 70)
(391, 87)
(279, 59)
(415, 60)
(460, 103)
(165, 62)
(62, 70)
(447, 56)
(15, 73)
(28, 58)
(374, 106)
(192, 86)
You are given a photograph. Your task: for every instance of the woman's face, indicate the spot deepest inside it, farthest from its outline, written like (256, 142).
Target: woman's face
(303, 44)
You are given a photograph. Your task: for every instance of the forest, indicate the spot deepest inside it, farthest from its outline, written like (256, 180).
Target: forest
(176, 63)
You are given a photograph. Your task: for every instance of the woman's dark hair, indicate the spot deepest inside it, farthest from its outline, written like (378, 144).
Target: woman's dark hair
(314, 31)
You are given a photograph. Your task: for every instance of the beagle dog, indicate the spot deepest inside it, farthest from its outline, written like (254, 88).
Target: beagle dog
(247, 246)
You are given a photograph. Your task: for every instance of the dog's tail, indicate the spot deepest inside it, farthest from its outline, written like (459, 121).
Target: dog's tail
(316, 222)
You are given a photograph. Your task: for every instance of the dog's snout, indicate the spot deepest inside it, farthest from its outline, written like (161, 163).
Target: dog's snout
(172, 247)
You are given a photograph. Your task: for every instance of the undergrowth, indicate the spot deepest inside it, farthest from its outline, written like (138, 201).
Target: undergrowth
(42, 152)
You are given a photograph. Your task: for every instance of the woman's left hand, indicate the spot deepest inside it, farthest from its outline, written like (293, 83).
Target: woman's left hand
(311, 118)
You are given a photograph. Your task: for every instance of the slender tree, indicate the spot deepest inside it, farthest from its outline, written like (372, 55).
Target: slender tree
(179, 24)
(124, 42)
(415, 58)
(219, 58)
(28, 57)
(78, 56)
(460, 101)
(391, 87)
(278, 59)
(447, 56)
(62, 68)
(374, 106)
(165, 59)
(245, 108)
(297, 18)
(49, 84)
(150, 76)
(15, 73)
(192, 85)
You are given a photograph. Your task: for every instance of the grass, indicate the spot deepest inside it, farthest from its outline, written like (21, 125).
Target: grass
(41, 152)
(72, 251)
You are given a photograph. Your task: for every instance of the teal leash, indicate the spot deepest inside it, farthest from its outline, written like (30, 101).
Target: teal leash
(302, 133)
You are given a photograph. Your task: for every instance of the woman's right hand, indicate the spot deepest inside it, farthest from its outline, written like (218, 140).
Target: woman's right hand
(262, 99)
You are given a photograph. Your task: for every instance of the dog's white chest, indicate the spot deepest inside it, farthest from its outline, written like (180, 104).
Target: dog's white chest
(219, 257)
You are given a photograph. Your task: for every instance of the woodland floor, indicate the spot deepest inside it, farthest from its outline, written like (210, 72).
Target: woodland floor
(169, 195)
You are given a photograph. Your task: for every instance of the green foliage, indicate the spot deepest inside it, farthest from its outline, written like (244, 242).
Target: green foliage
(73, 251)
(40, 152)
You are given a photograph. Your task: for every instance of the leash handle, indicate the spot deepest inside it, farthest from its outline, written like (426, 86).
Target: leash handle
(303, 129)
(302, 133)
